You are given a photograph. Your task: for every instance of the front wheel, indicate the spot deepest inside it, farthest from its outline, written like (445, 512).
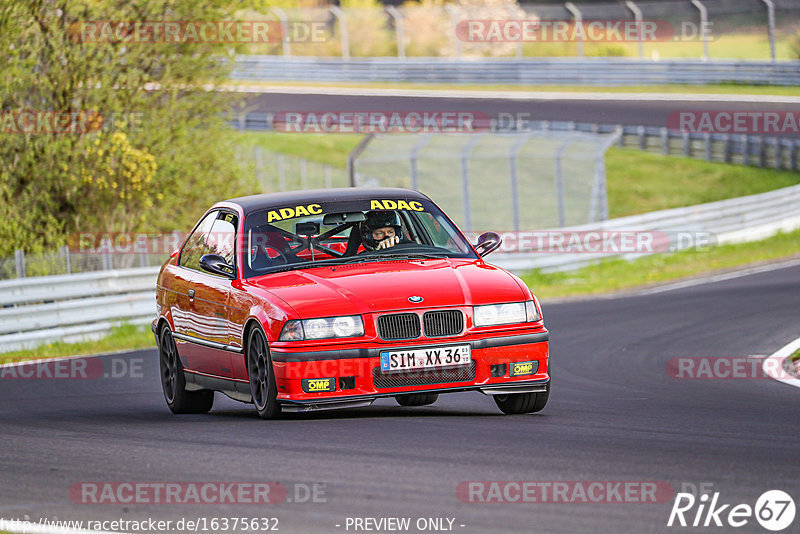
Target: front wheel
(518, 403)
(416, 399)
(173, 381)
(262, 378)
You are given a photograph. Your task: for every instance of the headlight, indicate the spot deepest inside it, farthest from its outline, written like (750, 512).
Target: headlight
(513, 312)
(324, 328)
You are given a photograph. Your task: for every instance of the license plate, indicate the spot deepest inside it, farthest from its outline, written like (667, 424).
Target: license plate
(402, 360)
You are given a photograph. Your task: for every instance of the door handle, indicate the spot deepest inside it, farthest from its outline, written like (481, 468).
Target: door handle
(191, 293)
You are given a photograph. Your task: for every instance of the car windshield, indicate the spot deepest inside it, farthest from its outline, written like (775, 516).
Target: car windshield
(314, 234)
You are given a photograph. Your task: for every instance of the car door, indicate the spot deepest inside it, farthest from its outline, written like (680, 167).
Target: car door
(205, 334)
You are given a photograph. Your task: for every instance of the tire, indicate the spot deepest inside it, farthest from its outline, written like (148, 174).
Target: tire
(416, 399)
(519, 403)
(173, 381)
(262, 377)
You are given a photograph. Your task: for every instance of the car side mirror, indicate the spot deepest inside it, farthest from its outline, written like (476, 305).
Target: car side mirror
(216, 264)
(488, 243)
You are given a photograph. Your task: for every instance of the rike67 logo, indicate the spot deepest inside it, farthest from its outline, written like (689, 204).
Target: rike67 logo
(774, 510)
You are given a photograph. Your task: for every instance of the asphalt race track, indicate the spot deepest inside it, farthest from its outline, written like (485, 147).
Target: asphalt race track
(615, 415)
(640, 111)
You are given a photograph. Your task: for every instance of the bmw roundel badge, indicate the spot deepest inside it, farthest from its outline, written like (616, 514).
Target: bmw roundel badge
(415, 299)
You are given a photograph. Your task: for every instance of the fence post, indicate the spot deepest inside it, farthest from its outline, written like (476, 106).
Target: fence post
(726, 148)
(465, 181)
(762, 152)
(793, 155)
(576, 13)
(707, 140)
(398, 30)
(106, 247)
(415, 150)
(19, 260)
(562, 217)
(281, 14)
(746, 150)
(67, 259)
(303, 173)
(665, 140)
(703, 26)
(771, 27)
(339, 14)
(776, 143)
(514, 179)
(642, 138)
(281, 175)
(454, 21)
(637, 16)
(352, 156)
(687, 144)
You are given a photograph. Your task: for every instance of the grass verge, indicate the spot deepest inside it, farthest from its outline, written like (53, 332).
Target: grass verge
(123, 337)
(612, 275)
(725, 89)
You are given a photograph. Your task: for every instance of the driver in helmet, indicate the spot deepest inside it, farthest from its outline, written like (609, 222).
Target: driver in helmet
(381, 230)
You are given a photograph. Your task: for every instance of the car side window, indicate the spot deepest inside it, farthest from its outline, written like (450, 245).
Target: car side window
(221, 239)
(193, 249)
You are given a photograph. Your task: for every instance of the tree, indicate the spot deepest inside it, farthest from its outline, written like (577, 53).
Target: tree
(138, 140)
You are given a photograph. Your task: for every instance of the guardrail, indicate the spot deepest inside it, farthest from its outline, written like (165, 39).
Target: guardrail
(73, 307)
(725, 221)
(535, 71)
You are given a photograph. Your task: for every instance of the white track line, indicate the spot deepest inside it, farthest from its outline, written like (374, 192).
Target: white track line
(509, 95)
(775, 361)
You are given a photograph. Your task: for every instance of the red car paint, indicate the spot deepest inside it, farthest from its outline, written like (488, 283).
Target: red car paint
(209, 327)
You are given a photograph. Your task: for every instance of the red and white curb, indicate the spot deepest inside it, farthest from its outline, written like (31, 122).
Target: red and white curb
(773, 365)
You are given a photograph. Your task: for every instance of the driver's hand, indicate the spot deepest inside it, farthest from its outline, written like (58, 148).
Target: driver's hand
(388, 242)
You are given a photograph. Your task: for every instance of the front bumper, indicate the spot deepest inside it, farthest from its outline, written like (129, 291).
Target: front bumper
(356, 378)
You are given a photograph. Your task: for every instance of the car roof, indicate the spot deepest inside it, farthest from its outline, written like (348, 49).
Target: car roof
(257, 202)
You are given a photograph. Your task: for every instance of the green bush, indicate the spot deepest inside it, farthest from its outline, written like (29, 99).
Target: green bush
(155, 150)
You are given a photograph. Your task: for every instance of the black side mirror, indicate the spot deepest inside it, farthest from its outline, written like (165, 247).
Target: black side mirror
(488, 243)
(216, 264)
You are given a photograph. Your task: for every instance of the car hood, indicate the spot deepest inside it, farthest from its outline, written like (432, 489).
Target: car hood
(387, 286)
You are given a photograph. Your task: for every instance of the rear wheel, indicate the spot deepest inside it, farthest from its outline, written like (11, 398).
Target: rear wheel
(416, 399)
(518, 403)
(262, 378)
(173, 381)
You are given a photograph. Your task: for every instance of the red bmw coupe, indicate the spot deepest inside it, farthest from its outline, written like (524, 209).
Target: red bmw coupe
(324, 299)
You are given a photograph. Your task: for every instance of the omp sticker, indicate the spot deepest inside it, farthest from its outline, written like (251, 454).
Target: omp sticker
(524, 368)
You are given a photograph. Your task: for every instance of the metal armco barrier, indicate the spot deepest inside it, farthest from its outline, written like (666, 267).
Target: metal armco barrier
(72, 307)
(726, 221)
(44, 309)
(534, 71)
